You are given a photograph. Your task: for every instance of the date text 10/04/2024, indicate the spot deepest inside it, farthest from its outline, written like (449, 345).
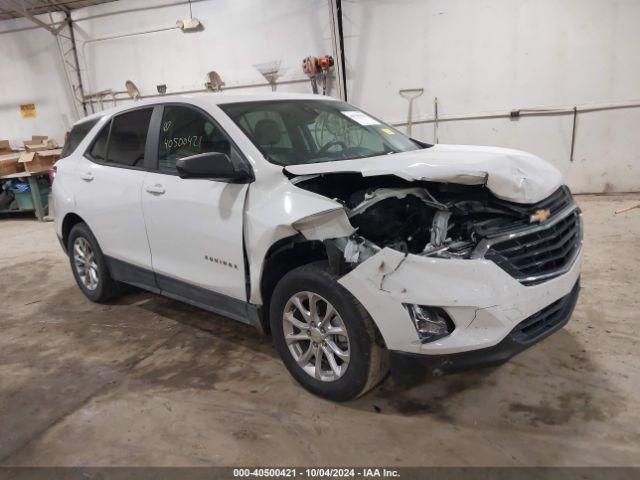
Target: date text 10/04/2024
(316, 473)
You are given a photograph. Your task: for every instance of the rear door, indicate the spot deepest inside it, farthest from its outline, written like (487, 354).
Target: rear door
(195, 225)
(108, 189)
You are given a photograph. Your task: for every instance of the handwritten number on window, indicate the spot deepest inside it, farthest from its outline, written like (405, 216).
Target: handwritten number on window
(194, 141)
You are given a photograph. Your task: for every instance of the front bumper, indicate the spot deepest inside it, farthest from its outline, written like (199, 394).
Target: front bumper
(527, 333)
(485, 302)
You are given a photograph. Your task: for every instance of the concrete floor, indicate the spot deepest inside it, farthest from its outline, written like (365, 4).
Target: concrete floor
(150, 381)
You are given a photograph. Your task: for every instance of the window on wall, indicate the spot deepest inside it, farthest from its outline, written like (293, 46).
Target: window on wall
(185, 132)
(129, 137)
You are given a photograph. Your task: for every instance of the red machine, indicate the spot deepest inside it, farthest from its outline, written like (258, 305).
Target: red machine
(317, 66)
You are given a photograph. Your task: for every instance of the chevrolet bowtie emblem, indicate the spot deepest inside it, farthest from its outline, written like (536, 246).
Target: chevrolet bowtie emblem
(540, 216)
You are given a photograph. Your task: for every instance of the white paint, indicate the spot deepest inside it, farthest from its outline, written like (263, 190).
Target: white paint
(111, 204)
(32, 73)
(498, 55)
(484, 301)
(236, 36)
(183, 219)
(474, 55)
(510, 174)
(190, 220)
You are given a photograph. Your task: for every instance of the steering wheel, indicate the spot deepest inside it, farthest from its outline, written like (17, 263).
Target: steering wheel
(332, 143)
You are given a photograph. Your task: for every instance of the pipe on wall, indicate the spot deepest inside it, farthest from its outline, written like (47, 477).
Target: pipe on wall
(337, 45)
(120, 96)
(525, 112)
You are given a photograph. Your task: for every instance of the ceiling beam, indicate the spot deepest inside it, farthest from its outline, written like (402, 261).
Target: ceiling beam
(61, 7)
(20, 8)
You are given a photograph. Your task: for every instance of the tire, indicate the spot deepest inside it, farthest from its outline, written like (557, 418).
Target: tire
(367, 362)
(105, 288)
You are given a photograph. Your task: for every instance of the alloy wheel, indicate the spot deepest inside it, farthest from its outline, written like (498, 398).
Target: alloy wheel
(316, 336)
(85, 263)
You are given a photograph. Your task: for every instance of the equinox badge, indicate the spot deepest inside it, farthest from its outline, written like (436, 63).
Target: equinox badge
(540, 216)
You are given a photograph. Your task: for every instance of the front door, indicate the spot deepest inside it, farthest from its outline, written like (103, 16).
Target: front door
(194, 225)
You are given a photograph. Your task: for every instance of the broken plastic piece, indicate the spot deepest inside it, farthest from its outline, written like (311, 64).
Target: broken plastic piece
(351, 251)
(325, 225)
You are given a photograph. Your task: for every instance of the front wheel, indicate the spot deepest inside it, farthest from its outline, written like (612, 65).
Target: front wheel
(324, 336)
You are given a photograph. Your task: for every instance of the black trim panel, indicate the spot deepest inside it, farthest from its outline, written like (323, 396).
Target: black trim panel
(206, 299)
(132, 274)
(185, 292)
(153, 135)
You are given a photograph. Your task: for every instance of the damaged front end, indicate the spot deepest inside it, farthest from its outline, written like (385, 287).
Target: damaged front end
(440, 220)
(443, 268)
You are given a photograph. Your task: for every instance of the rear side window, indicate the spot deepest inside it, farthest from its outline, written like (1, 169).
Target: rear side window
(76, 135)
(185, 132)
(99, 149)
(128, 138)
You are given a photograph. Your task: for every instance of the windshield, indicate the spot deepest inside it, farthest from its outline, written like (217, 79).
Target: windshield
(291, 132)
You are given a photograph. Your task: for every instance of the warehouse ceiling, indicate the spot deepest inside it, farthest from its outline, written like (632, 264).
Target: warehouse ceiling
(25, 8)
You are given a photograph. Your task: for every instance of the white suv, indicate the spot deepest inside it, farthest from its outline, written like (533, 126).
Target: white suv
(355, 246)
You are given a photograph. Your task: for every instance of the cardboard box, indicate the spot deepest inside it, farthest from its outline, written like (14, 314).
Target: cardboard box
(39, 161)
(39, 143)
(9, 164)
(5, 147)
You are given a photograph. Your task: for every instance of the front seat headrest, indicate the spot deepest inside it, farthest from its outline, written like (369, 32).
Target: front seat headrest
(267, 132)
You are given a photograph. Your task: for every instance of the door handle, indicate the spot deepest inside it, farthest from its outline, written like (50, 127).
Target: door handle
(87, 176)
(156, 189)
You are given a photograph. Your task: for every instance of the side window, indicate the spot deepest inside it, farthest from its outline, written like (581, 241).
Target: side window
(76, 135)
(185, 132)
(128, 138)
(99, 149)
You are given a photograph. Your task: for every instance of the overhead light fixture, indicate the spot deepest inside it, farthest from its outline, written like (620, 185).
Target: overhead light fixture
(215, 83)
(189, 25)
(132, 90)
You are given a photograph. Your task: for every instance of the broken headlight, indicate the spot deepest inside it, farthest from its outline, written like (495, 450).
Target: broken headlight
(431, 323)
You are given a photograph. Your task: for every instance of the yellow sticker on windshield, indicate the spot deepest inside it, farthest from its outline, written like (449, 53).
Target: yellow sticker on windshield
(388, 131)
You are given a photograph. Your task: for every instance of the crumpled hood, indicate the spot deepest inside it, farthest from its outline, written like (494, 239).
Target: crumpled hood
(511, 175)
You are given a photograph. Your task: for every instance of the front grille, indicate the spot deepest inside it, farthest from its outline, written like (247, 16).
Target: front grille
(535, 256)
(556, 202)
(547, 320)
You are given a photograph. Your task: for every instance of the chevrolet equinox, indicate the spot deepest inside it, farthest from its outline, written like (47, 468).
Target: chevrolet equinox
(356, 247)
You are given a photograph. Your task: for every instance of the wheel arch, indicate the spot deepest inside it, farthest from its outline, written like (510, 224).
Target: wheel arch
(70, 220)
(282, 257)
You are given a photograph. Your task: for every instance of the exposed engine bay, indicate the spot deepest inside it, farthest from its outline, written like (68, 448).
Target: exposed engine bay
(424, 218)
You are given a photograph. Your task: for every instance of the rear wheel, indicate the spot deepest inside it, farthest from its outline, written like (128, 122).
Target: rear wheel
(89, 267)
(324, 336)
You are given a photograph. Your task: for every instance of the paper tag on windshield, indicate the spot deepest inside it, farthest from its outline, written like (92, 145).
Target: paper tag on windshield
(361, 118)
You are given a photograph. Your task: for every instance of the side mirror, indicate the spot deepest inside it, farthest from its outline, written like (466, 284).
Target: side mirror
(215, 166)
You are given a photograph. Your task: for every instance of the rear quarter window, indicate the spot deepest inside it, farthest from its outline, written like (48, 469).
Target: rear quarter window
(76, 135)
